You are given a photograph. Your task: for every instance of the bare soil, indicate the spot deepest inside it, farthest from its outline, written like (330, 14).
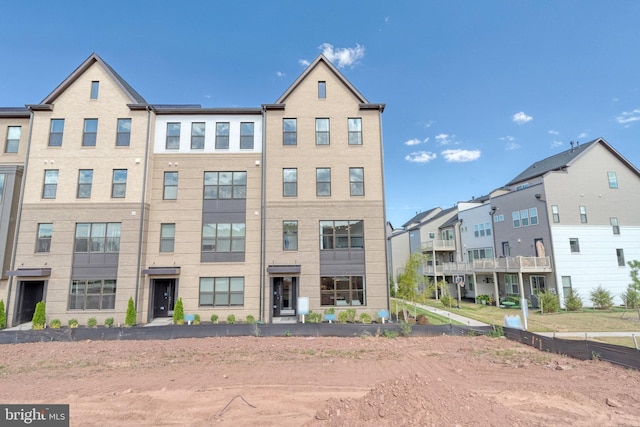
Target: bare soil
(294, 381)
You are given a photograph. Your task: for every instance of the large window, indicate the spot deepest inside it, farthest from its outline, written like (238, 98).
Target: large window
(525, 217)
(289, 132)
(97, 237)
(613, 179)
(511, 284)
(167, 237)
(474, 254)
(43, 243)
(173, 136)
(170, 186)
(355, 131)
(290, 182)
(322, 131)
(246, 135)
(221, 291)
(50, 187)
(123, 137)
(225, 185)
(342, 290)
(481, 230)
(92, 294)
(222, 135)
(119, 184)
(57, 130)
(620, 256)
(197, 135)
(583, 214)
(13, 139)
(290, 235)
(356, 181)
(85, 182)
(614, 225)
(574, 245)
(341, 235)
(90, 133)
(323, 181)
(223, 237)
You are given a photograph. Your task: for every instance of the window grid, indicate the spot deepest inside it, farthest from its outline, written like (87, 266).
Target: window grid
(225, 185)
(614, 225)
(167, 237)
(341, 235)
(355, 131)
(223, 237)
(43, 242)
(289, 132)
(613, 179)
(97, 237)
(50, 187)
(90, 133)
(92, 294)
(342, 291)
(119, 184)
(13, 139)
(222, 135)
(57, 130)
(322, 131)
(246, 135)
(555, 213)
(356, 181)
(221, 291)
(197, 135)
(173, 136)
(170, 187)
(85, 183)
(323, 182)
(123, 136)
(290, 182)
(290, 235)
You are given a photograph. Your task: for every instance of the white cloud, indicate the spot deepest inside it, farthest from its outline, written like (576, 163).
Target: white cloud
(583, 135)
(411, 142)
(460, 156)
(521, 118)
(629, 116)
(304, 62)
(553, 132)
(420, 157)
(555, 144)
(512, 146)
(342, 57)
(280, 74)
(444, 139)
(507, 138)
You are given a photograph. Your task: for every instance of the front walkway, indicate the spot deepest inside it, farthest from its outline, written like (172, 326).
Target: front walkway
(451, 316)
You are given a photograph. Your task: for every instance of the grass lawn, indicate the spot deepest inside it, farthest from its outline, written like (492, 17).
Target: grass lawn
(434, 319)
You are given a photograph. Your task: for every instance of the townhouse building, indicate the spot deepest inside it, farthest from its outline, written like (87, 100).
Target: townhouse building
(244, 211)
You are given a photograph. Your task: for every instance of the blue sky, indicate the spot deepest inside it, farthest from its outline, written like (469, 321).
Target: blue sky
(475, 90)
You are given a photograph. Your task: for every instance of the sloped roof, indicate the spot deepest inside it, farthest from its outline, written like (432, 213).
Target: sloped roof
(451, 222)
(418, 217)
(321, 58)
(134, 96)
(14, 112)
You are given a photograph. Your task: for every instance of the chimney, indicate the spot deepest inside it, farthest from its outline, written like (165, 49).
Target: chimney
(571, 142)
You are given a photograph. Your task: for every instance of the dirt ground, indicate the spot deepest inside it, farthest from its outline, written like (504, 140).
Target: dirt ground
(294, 381)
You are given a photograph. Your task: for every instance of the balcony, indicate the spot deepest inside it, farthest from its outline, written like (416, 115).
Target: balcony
(489, 265)
(439, 245)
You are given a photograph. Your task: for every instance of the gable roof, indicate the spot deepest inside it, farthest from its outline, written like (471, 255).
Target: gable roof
(134, 96)
(321, 58)
(419, 217)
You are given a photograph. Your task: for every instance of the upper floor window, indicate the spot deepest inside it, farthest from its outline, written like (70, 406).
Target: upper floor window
(583, 214)
(498, 218)
(356, 181)
(322, 90)
(55, 135)
(574, 245)
(341, 235)
(322, 131)
(94, 89)
(525, 217)
(246, 135)
(170, 186)
(481, 230)
(522, 186)
(614, 225)
(223, 237)
(290, 182)
(173, 136)
(620, 256)
(613, 179)
(13, 139)
(289, 132)
(323, 181)
(555, 213)
(123, 137)
(290, 235)
(222, 135)
(197, 135)
(97, 237)
(167, 237)
(90, 132)
(50, 186)
(225, 185)
(516, 219)
(119, 184)
(355, 131)
(43, 243)
(85, 182)
(533, 216)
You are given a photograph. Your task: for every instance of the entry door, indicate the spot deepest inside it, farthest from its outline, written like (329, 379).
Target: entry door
(284, 296)
(31, 293)
(163, 296)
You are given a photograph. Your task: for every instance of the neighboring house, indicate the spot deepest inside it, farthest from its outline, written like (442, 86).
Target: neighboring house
(125, 199)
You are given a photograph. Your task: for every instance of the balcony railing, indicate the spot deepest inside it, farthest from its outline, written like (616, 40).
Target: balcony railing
(504, 265)
(438, 245)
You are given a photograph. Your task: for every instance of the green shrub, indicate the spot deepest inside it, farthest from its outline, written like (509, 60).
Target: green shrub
(130, 319)
(601, 298)
(250, 319)
(496, 331)
(39, 316)
(196, 319)
(573, 301)
(55, 324)
(483, 299)
(73, 323)
(447, 300)
(422, 319)
(342, 317)
(92, 322)
(178, 313)
(214, 318)
(405, 328)
(351, 315)
(365, 318)
(549, 303)
(3, 315)
(330, 310)
(108, 322)
(314, 317)
(231, 319)
(630, 298)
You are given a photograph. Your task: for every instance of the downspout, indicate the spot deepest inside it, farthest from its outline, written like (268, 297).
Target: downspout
(19, 216)
(384, 212)
(142, 210)
(262, 217)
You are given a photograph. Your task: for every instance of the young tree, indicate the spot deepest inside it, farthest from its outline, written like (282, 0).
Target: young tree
(409, 279)
(3, 315)
(39, 316)
(635, 278)
(130, 319)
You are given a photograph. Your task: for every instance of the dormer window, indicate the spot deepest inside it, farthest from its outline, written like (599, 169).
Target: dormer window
(94, 90)
(322, 90)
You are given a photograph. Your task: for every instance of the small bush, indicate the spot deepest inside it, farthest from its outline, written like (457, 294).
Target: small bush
(601, 298)
(496, 331)
(389, 333)
(447, 300)
(231, 319)
(55, 324)
(196, 319)
(73, 323)
(214, 318)
(108, 322)
(92, 322)
(405, 328)
(250, 319)
(630, 298)
(3, 315)
(365, 318)
(550, 303)
(573, 301)
(342, 317)
(178, 313)
(314, 317)
(330, 310)
(130, 319)
(351, 315)
(39, 316)
(422, 319)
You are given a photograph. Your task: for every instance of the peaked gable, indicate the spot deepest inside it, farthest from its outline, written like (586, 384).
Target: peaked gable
(133, 96)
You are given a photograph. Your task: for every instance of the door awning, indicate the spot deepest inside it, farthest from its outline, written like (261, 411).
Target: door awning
(283, 269)
(156, 271)
(30, 272)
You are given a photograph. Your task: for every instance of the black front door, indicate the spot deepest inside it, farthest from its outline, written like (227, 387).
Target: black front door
(284, 296)
(163, 297)
(30, 293)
